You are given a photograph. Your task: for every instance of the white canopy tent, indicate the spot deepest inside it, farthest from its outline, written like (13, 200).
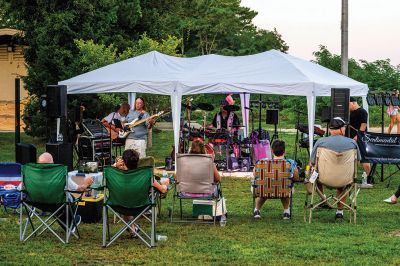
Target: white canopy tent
(271, 72)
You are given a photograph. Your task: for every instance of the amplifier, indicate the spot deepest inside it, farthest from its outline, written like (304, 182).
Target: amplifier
(62, 153)
(92, 149)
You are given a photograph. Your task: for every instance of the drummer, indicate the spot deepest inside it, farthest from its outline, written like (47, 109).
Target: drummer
(226, 118)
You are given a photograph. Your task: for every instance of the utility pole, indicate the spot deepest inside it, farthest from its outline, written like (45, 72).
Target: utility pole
(345, 38)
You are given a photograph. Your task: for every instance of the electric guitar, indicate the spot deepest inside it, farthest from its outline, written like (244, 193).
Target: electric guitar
(129, 127)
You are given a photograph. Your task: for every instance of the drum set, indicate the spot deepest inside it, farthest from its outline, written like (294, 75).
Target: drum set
(223, 144)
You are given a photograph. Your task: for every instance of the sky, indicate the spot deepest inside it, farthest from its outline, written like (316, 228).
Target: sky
(374, 26)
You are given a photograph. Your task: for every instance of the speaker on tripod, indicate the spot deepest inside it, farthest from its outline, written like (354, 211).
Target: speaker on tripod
(56, 101)
(340, 99)
(272, 117)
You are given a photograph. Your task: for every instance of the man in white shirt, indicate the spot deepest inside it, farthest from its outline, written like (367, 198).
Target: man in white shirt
(120, 115)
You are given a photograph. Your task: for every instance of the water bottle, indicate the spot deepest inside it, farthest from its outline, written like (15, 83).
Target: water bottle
(165, 174)
(222, 221)
(364, 178)
(161, 238)
(164, 177)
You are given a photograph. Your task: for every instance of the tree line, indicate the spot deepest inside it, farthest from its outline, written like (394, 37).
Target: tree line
(65, 38)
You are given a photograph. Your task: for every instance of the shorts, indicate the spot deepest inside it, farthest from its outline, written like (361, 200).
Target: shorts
(138, 145)
(394, 112)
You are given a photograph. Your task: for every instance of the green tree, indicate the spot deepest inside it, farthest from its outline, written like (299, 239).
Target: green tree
(209, 26)
(50, 28)
(380, 75)
(92, 56)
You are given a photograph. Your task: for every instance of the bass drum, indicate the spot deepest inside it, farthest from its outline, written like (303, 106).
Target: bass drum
(209, 149)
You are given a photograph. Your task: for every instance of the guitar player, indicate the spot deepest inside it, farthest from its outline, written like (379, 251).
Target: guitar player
(137, 140)
(115, 119)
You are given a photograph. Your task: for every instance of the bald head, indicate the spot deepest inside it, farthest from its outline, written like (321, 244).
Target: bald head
(45, 158)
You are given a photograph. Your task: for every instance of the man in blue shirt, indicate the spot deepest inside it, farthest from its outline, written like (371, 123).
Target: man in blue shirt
(339, 143)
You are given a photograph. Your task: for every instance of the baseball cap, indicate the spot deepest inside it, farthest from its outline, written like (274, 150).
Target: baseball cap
(336, 123)
(353, 99)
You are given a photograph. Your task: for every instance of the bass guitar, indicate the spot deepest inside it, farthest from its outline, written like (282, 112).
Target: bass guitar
(130, 127)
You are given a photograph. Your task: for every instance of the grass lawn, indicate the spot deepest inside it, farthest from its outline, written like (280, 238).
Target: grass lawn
(374, 240)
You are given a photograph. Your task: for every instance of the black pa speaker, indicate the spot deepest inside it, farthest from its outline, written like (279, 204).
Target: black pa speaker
(326, 114)
(340, 99)
(56, 101)
(272, 117)
(62, 153)
(25, 153)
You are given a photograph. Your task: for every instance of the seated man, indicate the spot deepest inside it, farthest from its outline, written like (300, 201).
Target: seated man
(278, 150)
(339, 143)
(88, 180)
(71, 185)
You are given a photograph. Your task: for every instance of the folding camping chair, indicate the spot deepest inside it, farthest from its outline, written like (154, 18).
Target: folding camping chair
(273, 179)
(195, 175)
(335, 170)
(45, 188)
(149, 161)
(127, 193)
(10, 174)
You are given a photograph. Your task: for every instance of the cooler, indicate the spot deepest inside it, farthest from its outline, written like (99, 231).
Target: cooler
(90, 209)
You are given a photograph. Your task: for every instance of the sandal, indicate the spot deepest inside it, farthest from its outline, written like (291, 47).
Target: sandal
(134, 233)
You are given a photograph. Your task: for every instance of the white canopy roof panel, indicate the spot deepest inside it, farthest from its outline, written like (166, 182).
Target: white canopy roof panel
(271, 72)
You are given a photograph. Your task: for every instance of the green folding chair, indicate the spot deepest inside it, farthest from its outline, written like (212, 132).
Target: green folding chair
(129, 193)
(44, 187)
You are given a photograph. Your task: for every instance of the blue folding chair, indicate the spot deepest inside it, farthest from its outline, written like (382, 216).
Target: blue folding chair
(10, 174)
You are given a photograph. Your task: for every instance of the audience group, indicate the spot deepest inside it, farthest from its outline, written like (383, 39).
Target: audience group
(337, 141)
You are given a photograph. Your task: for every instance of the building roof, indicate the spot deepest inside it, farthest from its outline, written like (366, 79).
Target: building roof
(6, 35)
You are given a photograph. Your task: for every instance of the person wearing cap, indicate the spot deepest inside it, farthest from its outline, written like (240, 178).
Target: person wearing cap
(339, 143)
(358, 122)
(225, 118)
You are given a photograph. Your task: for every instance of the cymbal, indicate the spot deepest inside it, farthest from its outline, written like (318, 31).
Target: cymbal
(231, 108)
(205, 106)
(189, 107)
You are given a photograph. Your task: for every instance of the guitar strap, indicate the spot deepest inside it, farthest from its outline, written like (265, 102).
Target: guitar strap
(140, 116)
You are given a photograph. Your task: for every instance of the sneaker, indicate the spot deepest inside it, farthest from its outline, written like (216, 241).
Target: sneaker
(78, 220)
(257, 214)
(365, 185)
(339, 215)
(286, 216)
(390, 200)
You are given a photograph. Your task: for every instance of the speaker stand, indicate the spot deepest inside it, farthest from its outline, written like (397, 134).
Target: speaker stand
(275, 136)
